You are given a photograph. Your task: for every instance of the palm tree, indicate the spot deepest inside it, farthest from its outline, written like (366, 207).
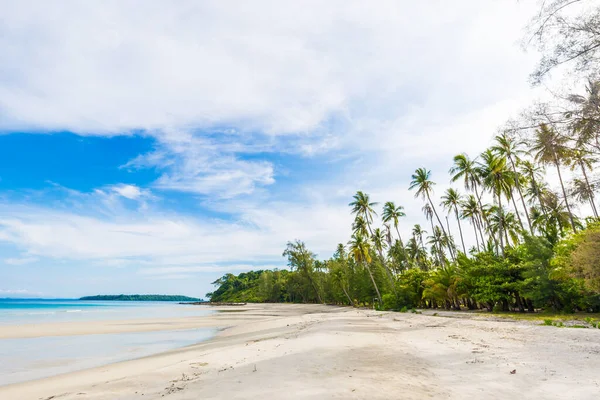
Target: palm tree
(424, 186)
(534, 175)
(549, 148)
(504, 223)
(427, 210)
(361, 206)
(470, 209)
(450, 202)
(392, 213)
(499, 179)
(359, 226)
(586, 118)
(582, 193)
(470, 172)
(360, 248)
(580, 159)
(509, 148)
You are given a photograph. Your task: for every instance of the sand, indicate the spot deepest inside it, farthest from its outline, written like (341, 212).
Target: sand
(324, 352)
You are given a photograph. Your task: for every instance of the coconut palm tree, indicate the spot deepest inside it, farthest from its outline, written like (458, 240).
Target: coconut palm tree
(503, 222)
(362, 206)
(581, 159)
(581, 192)
(549, 147)
(511, 149)
(359, 226)
(360, 248)
(470, 209)
(392, 214)
(424, 186)
(450, 201)
(534, 175)
(586, 117)
(499, 179)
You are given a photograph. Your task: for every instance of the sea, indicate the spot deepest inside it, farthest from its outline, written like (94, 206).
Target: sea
(25, 359)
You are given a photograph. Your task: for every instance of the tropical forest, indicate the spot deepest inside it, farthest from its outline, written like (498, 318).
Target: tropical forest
(516, 227)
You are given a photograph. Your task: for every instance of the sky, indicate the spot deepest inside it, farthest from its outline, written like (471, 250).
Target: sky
(151, 147)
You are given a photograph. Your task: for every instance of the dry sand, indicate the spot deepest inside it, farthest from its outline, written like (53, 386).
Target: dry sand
(322, 352)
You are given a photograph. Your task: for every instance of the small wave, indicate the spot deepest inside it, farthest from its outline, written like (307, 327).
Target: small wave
(73, 311)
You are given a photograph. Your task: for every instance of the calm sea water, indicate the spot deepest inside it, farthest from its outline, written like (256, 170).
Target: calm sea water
(19, 311)
(32, 358)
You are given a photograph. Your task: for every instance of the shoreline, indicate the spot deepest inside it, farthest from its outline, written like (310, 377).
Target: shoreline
(314, 351)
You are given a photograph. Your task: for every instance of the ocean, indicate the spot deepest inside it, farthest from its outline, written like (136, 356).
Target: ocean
(25, 359)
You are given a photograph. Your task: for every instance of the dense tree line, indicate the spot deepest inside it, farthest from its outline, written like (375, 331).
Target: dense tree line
(534, 247)
(139, 297)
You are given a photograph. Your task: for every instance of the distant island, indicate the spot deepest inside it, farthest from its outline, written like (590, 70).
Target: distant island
(140, 297)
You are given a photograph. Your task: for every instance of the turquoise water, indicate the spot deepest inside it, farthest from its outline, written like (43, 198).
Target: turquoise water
(24, 359)
(19, 311)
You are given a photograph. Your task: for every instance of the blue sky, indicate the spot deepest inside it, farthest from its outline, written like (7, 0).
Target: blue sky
(152, 149)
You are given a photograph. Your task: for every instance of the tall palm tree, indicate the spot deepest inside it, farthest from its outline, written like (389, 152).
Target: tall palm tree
(499, 179)
(428, 211)
(362, 206)
(451, 201)
(581, 159)
(550, 148)
(470, 172)
(424, 186)
(534, 175)
(504, 223)
(582, 193)
(510, 148)
(360, 248)
(470, 209)
(359, 226)
(586, 117)
(392, 213)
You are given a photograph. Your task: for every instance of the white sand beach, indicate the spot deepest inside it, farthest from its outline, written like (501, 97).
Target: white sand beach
(323, 352)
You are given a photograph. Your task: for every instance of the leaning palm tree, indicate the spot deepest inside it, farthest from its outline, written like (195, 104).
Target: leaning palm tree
(424, 186)
(511, 149)
(451, 201)
(581, 159)
(360, 248)
(582, 193)
(549, 147)
(363, 207)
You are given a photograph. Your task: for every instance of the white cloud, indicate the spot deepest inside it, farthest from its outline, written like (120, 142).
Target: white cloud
(131, 192)
(20, 260)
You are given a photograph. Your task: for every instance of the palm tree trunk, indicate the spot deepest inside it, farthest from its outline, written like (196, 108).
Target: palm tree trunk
(521, 194)
(484, 217)
(402, 245)
(440, 222)
(501, 227)
(587, 182)
(517, 211)
(347, 295)
(449, 243)
(475, 229)
(564, 193)
(374, 284)
(460, 230)
(479, 222)
(438, 250)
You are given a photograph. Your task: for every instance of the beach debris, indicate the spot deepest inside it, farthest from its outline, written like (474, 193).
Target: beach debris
(255, 368)
(514, 371)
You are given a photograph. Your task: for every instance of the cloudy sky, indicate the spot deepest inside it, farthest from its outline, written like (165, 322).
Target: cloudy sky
(151, 146)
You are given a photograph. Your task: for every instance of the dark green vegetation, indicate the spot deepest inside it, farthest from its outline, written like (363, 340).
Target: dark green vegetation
(139, 297)
(524, 200)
